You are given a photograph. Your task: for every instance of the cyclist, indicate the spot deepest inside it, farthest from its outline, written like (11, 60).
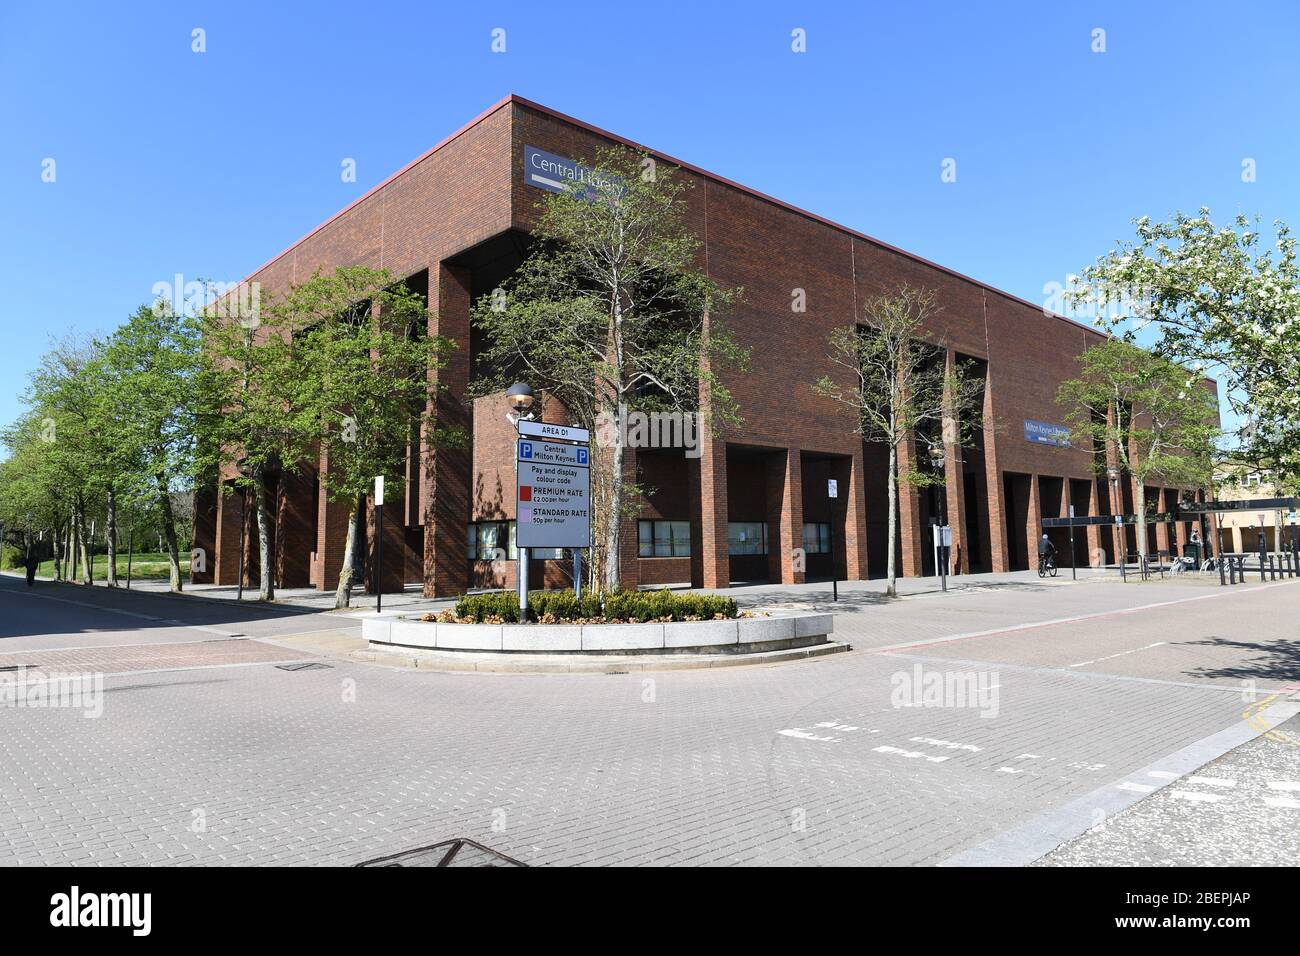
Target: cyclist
(1046, 555)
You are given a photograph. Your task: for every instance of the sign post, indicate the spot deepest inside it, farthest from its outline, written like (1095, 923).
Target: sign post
(833, 493)
(552, 495)
(379, 543)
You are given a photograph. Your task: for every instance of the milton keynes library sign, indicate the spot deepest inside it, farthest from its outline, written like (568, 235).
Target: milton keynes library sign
(553, 486)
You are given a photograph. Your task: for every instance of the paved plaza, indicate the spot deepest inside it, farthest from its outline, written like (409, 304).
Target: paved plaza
(1008, 721)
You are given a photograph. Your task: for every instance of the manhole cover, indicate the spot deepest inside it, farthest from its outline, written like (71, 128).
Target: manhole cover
(305, 666)
(459, 852)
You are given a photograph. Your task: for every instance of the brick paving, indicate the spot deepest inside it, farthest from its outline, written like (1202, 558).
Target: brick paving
(805, 763)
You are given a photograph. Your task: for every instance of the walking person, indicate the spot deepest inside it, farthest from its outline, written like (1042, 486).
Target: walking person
(31, 564)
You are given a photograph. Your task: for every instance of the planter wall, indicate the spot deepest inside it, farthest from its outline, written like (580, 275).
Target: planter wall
(741, 635)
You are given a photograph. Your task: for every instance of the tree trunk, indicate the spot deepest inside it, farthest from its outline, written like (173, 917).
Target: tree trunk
(56, 542)
(266, 583)
(891, 570)
(343, 596)
(110, 576)
(1141, 519)
(614, 529)
(168, 521)
(83, 547)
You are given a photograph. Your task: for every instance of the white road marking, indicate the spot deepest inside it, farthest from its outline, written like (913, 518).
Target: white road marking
(1098, 660)
(927, 641)
(831, 725)
(1284, 785)
(1283, 802)
(949, 744)
(911, 754)
(1212, 781)
(803, 734)
(1028, 757)
(1163, 774)
(1008, 770)
(1085, 766)
(1197, 797)
(1135, 787)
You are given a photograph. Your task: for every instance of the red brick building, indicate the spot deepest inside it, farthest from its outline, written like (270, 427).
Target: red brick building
(453, 224)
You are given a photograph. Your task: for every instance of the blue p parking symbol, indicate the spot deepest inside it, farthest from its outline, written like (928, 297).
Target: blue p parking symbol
(582, 456)
(526, 449)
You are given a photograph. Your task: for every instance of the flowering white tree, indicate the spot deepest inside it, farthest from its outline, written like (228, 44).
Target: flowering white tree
(1223, 300)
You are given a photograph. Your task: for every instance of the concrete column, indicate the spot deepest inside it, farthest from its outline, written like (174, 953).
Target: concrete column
(225, 563)
(331, 540)
(629, 564)
(999, 552)
(954, 481)
(1094, 532)
(854, 511)
(294, 521)
(910, 533)
(710, 564)
(1033, 522)
(784, 516)
(396, 554)
(445, 504)
(205, 533)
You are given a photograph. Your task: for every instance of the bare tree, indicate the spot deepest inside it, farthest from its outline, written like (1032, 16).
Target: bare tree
(896, 381)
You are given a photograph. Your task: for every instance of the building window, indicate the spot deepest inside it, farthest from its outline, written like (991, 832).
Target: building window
(486, 537)
(816, 538)
(746, 537)
(663, 539)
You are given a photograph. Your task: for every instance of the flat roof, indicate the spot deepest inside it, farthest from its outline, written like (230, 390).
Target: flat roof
(514, 98)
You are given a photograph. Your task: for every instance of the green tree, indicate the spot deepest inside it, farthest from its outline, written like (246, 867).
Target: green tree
(611, 314)
(152, 369)
(1148, 415)
(1220, 300)
(255, 412)
(895, 380)
(363, 356)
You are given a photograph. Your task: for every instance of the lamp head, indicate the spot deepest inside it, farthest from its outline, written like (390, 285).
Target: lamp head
(520, 397)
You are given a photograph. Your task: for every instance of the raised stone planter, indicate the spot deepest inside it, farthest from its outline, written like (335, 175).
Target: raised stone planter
(744, 635)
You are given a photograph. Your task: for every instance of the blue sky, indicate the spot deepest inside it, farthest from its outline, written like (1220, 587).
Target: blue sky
(206, 164)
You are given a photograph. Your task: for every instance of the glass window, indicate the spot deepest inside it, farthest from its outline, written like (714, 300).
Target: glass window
(746, 537)
(663, 539)
(816, 538)
(486, 537)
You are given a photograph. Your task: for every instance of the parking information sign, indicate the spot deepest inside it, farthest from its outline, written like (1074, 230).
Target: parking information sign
(554, 495)
(552, 453)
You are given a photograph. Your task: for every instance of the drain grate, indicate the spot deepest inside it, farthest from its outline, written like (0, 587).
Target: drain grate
(305, 666)
(458, 852)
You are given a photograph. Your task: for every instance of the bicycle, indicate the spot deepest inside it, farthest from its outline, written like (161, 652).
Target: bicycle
(1047, 565)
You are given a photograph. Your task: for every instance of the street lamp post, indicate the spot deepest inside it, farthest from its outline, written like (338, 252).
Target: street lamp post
(1121, 546)
(940, 551)
(521, 398)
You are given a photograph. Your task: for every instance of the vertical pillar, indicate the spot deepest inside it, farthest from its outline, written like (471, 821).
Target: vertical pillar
(784, 483)
(294, 521)
(910, 533)
(205, 533)
(999, 552)
(395, 550)
(1033, 522)
(1094, 532)
(712, 568)
(445, 504)
(225, 563)
(629, 568)
(854, 504)
(331, 539)
(954, 479)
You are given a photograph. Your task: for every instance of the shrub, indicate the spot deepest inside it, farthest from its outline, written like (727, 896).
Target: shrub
(502, 607)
